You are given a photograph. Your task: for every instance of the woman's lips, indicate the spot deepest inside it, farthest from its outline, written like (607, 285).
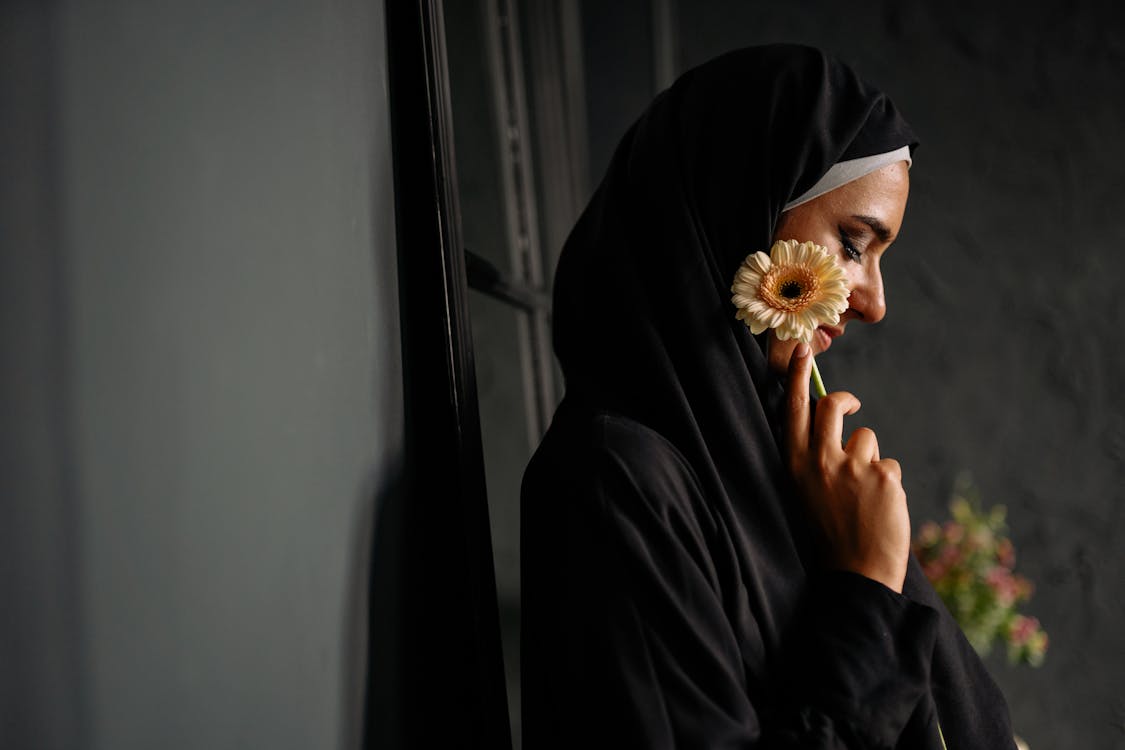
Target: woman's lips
(825, 336)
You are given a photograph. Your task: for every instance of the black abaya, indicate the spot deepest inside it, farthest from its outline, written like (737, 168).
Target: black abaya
(670, 594)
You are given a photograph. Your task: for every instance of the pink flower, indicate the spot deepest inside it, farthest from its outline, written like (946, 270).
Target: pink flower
(1023, 628)
(954, 532)
(970, 562)
(949, 556)
(929, 534)
(934, 570)
(1006, 553)
(1003, 584)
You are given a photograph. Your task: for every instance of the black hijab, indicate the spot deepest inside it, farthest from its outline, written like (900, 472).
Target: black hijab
(643, 323)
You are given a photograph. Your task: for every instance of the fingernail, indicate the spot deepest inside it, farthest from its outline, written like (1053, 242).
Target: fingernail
(802, 350)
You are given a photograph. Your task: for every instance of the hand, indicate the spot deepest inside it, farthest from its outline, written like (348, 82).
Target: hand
(853, 497)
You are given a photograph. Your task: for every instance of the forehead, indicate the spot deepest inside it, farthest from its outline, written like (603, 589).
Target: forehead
(881, 194)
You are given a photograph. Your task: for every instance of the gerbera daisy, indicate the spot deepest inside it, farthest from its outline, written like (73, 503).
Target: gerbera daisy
(794, 289)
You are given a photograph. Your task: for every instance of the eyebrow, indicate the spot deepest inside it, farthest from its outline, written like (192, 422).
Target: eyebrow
(879, 228)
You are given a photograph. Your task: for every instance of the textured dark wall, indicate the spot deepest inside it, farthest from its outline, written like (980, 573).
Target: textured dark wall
(1000, 352)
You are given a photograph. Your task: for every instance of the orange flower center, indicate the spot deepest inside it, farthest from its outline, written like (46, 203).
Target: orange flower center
(789, 288)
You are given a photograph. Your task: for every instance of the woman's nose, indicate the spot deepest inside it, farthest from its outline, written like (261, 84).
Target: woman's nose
(867, 297)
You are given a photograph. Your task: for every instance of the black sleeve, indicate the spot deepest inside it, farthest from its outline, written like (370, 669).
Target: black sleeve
(852, 673)
(857, 665)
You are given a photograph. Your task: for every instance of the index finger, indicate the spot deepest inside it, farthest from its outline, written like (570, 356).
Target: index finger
(797, 402)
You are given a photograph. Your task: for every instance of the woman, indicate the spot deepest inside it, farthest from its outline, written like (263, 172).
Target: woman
(704, 564)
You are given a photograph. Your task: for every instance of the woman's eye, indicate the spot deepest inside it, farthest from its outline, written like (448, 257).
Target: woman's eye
(850, 249)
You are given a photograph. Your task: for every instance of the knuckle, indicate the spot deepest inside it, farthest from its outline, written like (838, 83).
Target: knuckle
(839, 401)
(834, 399)
(889, 470)
(853, 470)
(862, 439)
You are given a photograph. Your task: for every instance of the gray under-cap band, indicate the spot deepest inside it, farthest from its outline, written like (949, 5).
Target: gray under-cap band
(841, 173)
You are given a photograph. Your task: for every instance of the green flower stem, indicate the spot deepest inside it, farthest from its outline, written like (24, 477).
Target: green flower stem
(818, 384)
(941, 737)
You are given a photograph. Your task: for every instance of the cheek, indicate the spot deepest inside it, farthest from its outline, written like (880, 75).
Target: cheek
(855, 274)
(806, 224)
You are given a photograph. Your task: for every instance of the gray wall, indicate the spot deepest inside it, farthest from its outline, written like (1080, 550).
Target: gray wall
(1000, 353)
(202, 382)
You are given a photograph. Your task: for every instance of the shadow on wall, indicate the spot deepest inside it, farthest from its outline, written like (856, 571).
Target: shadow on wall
(371, 567)
(384, 669)
(42, 701)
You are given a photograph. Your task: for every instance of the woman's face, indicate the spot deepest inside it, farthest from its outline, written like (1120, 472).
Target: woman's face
(857, 221)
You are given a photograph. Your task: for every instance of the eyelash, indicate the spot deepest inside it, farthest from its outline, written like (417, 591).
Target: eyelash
(849, 248)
